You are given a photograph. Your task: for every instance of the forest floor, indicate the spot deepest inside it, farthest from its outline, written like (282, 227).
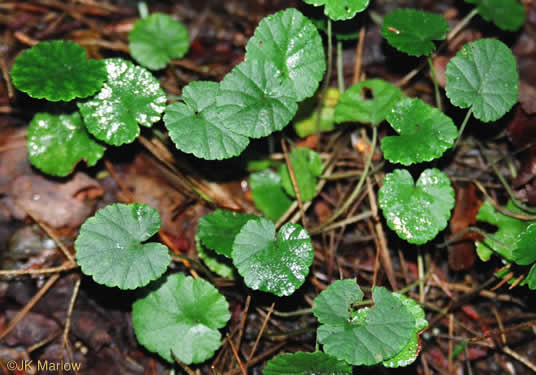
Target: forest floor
(479, 324)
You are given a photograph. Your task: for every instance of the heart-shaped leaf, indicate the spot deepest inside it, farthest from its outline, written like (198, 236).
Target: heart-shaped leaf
(483, 75)
(56, 144)
(300, 363)
(372, 336)
(413, 31)
(129, 97)
(409, 353)
(332, 306)
(307, 166)
(109, 247)
(525, 248)
(277, 267)
(509, 228)
(292, 43)
(218, 230)
(255, 100)
(268, 194)
(339, 10)
(156, 39)
(57, 70)
(425, 133)
(509, 15)
(195, 126)
(181, 315)
(417, 213)
(367, 102)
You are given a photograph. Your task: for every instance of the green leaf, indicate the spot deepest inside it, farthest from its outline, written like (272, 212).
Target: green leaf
(56, 144)
(255, 100)
(409, 353)
(413, 31)
(417, 213)
(218, 230)
(181, 315)
(216, 263)
(277, 267)
(129, 97)
(509, 228)
(57, 70)
(268, 194)
(339, 10)
(331, 306)
(373, 336)
(483, 75)
(525, 246)
(307, 166)
(109, 247)
(306, 120)
(509, 15)
(425, 133)
(292, 43)
(156, 39)
(195, 127)
(355, 106)
(300, 363)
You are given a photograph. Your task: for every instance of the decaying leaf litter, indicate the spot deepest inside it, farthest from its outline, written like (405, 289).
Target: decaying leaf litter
(463, 300)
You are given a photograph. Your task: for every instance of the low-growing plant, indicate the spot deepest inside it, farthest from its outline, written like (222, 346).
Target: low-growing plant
(179, 317)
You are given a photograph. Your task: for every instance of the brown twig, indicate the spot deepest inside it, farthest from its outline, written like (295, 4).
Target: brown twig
(292, 174)
(242, 368)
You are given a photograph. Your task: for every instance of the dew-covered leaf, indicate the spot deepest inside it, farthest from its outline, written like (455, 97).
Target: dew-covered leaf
(339, 10)
(157, 39)
(300, 363)
(268, 194)
(218, 230)
(332, 306)
(425, 133)
(109, 247)
(370, 337)
(367, 102)
(181, 315)
(307, 166)
(483, 75)
(277, 267)
(525, 246)
(509, 15)
(195, 127)
(57, 70)
(409, 353)
(292, 43)
(129, 97)
(509, 228)
(56, 144)
(416, 212)
(255, 100)
(413, 31)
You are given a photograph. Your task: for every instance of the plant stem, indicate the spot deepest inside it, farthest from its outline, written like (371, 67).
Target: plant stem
(325, 85)
(143, 10)
(340, 70)
(464, 123)
(358, 187)
(460, 25)
(436, 85)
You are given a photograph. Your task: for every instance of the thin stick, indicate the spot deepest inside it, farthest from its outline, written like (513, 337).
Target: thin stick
(451, 343)
(254, 349)
(359, 55)
(520, 358)
(70, 309)
(49, 232)
(242, 368)
(67, 266)
(243, 322)
(31, 303)
(496, 332)
(340, 70)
